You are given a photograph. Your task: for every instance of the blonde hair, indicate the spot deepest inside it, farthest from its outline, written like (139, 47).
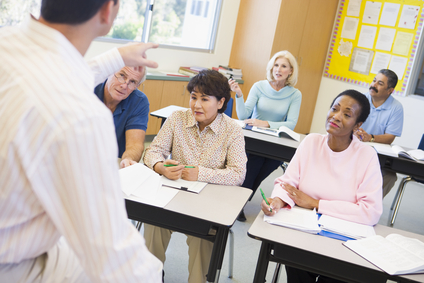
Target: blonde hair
(292, 79)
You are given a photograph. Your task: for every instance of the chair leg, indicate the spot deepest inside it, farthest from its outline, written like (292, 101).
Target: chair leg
(284, 166)
(276, 273)
(398, 198)
(231, 257)
(138, 226)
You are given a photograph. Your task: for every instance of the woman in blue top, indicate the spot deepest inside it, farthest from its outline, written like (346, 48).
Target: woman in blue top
(271, 103)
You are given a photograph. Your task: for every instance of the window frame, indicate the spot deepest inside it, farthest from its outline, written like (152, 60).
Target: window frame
(148, 18)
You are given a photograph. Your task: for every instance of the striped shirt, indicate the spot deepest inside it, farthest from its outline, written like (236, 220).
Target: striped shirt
(218, 150)
(58, 151)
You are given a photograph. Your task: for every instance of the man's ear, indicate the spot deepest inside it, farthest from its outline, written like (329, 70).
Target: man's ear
(391, 90)
(107, 15)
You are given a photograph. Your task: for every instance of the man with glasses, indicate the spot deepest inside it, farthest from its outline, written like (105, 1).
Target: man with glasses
(130, 108)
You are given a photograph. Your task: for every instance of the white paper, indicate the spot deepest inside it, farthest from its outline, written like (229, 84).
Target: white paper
(345, 228)
(371, 12)
(402, 43)
(385, 39)
(385, 149)
(298, 218)
(163, 196)
(350, 27)
(354, 8)
(398, 65)
(367, 36)
(409, 16)
(133, 176)
(361, 61)
(381, 61)
(389, 14)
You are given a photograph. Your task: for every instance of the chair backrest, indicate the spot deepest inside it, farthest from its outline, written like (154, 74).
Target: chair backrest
(421, 145)
(229, 110)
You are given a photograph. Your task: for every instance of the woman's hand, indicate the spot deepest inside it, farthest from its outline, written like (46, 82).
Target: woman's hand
(300, 198)
(235, 87)
(171, 172)
(190, 174)
(274, 204)
(256, 123)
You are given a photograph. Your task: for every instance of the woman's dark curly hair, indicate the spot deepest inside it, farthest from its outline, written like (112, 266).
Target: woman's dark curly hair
(212, 83)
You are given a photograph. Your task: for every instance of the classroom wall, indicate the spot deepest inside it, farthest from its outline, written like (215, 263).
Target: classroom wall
(170, 59)
(413, 107)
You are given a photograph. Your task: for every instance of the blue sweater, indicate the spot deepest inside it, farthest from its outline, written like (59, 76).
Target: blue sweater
(278, 108)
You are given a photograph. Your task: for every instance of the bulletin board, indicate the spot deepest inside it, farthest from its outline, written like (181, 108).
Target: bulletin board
(372, 35)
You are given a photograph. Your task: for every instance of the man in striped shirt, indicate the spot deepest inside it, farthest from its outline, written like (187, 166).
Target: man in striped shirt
(62, 217)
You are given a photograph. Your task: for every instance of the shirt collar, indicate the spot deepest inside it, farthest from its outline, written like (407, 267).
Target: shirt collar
(215, 126)
(387, 103)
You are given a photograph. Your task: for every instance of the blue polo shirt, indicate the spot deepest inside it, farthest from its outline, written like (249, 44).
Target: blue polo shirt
(131, 113)
(385, 119)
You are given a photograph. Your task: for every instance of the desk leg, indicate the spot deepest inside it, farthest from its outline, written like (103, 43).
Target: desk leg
(217, 254)
(163, 121)
(263, 261)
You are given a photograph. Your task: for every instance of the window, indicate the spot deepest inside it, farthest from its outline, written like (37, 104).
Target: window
(14, 12)
(174, 23)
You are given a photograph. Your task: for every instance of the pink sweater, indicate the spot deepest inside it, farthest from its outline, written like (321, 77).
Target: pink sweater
(348, 184)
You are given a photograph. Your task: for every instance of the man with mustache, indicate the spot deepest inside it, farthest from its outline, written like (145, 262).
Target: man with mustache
(385, 121)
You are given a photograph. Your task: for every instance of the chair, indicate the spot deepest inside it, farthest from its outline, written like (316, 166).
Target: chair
(401, 188)
(229, 110)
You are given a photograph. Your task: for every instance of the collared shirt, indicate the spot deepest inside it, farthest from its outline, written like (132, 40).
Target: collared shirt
(131, 113)
(218, 150)
(59, 174)
(385, 119)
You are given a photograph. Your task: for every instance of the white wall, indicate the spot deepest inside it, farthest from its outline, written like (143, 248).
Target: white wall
(170, 60)
(413, 107)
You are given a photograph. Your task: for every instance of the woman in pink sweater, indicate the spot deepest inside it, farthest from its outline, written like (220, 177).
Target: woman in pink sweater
(335, 173)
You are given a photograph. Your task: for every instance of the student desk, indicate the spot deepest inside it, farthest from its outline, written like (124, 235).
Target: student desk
(319, 254)
(283, 149)
(208, 215)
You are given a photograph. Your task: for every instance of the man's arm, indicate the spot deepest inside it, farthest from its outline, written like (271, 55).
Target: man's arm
(365, 137)
(134, 147)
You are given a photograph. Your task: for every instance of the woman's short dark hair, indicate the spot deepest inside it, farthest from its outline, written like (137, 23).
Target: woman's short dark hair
(213, 83)
(70, 12)
(361, 99)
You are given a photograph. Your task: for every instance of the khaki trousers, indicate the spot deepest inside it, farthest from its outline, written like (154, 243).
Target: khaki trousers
(199, 251)
(59, 264)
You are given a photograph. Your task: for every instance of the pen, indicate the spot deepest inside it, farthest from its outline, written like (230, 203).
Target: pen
(263, 196)
(170, 165)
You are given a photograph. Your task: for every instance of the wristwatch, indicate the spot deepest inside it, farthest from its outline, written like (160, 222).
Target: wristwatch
(372, 138)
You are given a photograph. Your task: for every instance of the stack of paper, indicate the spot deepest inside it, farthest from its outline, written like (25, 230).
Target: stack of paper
(298, 218)
(142, 184)
(345, 228)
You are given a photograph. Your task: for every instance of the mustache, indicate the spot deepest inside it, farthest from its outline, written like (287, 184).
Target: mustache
(374, 89)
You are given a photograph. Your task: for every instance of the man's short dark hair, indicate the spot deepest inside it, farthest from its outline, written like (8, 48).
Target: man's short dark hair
(362, 101)
(392, 78)
(70, 12)
(213, 83)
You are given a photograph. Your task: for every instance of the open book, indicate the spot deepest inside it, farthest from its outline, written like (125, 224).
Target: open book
(394, 254)
(282, 132)
(396, 150)
(307, 220)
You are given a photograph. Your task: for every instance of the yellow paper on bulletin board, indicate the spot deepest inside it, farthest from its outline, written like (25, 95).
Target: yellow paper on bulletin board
(372, 35)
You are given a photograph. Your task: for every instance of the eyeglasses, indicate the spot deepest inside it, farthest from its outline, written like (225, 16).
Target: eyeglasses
(131, 84)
